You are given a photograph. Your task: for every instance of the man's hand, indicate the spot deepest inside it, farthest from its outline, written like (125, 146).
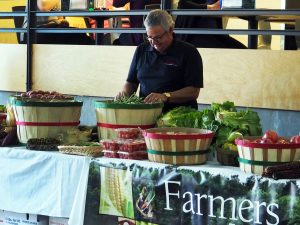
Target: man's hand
(215, 6)
(120, 95)
(155, 98)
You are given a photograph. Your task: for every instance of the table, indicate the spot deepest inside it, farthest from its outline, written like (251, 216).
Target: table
(44, 183)
(55, 184)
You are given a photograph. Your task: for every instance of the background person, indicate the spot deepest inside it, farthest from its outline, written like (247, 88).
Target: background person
(50, 5)
(204, 40)
(51, 21)
(135, 21)
(165, 69)
(46, 21)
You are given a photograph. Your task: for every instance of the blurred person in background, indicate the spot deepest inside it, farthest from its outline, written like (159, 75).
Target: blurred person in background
(47, 21)
(135, 21)
(165, 69)
(204, 40)
(50, 5)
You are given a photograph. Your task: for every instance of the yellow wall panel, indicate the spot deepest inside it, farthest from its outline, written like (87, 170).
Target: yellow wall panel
(6, 6)
(12, 67)
(83, 70)
(264, 78)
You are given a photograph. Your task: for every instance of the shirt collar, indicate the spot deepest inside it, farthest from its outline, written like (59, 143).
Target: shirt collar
(151, 49)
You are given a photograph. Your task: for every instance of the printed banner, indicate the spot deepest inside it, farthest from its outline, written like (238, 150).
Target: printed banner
(135, 194)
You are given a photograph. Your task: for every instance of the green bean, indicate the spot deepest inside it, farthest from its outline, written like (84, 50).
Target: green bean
(132, 99)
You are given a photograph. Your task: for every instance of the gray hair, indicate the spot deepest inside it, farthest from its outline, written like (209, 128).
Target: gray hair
(159, 17)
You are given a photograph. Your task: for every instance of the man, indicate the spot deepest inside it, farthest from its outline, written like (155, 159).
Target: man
(166, 70)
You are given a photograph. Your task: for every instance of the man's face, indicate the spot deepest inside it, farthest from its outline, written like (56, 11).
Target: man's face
(159, 38)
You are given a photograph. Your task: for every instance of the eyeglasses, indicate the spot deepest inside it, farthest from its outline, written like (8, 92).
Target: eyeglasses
(157, 38)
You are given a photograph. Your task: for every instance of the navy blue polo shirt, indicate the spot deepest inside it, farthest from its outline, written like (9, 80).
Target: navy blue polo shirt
(179, 67)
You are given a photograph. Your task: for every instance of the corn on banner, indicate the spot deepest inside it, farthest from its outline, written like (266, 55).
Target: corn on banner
(144, 193)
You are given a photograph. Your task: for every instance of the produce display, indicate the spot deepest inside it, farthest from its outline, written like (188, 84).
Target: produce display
(284, 171)
(110, 153)
(2, 114)
(129, 133)
(127, 145)
(42, 114)
(8, 133)
(92, 149)
(10, 116)
(109, 144)
(132, 99)
(256, 154)
(76, 135)
(295, 139)
(178, 145)
(2, 109)
(43, 144)
(44, 95)
(137, 155)
(127, 112)
(233, 132)
(223, 119)
(228, 157)
(131, 146)
(271, 137)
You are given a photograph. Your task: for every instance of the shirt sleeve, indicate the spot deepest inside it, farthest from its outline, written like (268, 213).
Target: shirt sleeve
(132, 74)
(193, 71)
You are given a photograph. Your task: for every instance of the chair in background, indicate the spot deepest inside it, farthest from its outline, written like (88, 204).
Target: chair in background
(18, 21)
(264, 41)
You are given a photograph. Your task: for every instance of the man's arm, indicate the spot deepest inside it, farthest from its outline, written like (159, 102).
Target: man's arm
(127, 90)
(182, 95)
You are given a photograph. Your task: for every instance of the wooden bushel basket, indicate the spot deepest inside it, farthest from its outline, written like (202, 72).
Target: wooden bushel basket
(178, 146)
(255, 157)
(111, 116)
(41, 119)
(227, 157)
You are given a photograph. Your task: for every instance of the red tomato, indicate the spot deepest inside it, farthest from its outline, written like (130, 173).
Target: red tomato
(272, 135)
(266, 141)
(282, 141)
(257, 140)
(295, 139)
